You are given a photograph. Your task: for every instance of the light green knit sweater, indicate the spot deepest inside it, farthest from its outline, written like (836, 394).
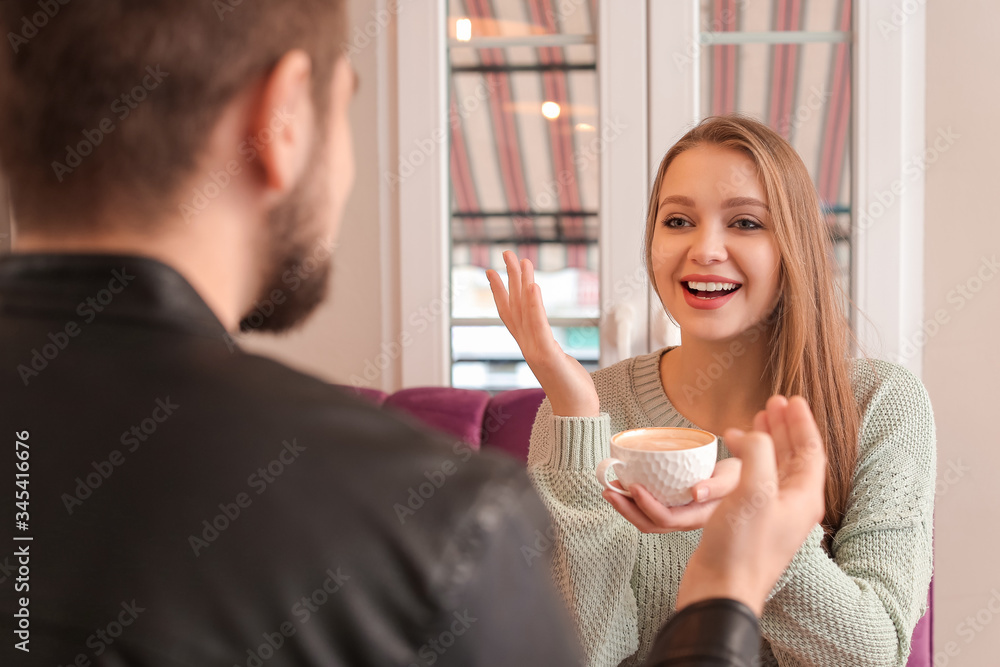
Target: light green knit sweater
(858, 608)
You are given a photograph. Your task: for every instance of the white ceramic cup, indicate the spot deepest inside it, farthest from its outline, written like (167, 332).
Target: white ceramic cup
(667, 461)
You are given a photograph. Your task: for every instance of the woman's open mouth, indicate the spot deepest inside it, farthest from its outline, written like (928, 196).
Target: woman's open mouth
(709, 296)
(708, 291)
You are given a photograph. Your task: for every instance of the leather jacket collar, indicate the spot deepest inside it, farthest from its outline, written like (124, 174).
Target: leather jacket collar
(112, 288)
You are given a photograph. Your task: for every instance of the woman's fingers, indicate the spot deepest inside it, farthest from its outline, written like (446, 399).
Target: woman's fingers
(565, 381)
(538, 321)
(514, 300)
(525, 313)
(647, 514)
(724, 479)
(666, 519)
(500, 297)
(513, 286)
(629, 511)
(530, 305)
(527, 273)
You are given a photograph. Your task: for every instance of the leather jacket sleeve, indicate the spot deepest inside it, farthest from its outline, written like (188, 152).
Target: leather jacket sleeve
(501, 586)
(710, 633)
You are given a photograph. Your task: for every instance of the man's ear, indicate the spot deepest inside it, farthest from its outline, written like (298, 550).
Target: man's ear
(283, 126)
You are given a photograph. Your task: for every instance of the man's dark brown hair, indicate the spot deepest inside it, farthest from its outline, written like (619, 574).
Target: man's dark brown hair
(106, 104)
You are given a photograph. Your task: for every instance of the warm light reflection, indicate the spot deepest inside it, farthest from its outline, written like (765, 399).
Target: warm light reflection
(550, 110)
(584, 127)
(463, 30)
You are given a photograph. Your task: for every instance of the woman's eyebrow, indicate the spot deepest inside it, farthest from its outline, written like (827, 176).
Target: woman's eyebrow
(677, 199)
(744, 201)
(734, 202)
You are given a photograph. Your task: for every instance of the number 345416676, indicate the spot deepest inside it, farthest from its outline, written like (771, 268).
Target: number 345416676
(21, 478)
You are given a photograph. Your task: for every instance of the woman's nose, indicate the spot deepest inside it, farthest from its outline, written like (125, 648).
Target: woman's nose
(708, 245)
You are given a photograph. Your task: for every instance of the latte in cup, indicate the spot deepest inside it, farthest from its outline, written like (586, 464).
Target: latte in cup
(668, 461)
(660, 444)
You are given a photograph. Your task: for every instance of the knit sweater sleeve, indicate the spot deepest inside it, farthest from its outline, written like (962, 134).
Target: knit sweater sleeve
(860, 606)
(595, 548)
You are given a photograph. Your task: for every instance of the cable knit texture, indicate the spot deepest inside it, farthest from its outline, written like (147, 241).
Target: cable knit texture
(856, 609)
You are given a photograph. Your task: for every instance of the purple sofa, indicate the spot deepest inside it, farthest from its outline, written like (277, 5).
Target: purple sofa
(504, 421)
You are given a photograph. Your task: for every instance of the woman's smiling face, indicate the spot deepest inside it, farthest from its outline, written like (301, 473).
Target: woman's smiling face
(713, 226)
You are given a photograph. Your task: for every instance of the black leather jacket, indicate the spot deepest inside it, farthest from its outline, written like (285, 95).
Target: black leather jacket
(191, 504)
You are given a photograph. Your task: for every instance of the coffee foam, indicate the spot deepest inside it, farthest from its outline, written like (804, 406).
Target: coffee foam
(660, 443)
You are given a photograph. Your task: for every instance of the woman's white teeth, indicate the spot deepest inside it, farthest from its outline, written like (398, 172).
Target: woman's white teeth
(711, 287)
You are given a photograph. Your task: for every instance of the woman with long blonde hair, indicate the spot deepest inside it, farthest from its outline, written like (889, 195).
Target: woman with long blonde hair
(739, 256)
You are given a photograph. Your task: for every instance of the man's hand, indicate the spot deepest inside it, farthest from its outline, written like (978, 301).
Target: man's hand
(755, 530)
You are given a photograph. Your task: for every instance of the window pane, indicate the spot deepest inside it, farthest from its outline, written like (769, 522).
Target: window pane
(767, 15)
(523, 130)
(487, 357)
(568, 293)
(520, 18)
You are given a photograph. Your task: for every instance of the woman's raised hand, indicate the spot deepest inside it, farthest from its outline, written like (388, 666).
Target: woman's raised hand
(566, 383)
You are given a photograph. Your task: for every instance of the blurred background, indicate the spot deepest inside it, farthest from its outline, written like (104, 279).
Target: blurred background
(537, 126)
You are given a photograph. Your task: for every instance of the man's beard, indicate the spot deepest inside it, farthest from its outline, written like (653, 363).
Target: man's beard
(298, 259)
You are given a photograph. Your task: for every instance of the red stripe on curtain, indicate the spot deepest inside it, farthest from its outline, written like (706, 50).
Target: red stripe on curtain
(784, 64)
(723, 99)
(560, 130)
(502, 109)
(835, 132)
(465, 192)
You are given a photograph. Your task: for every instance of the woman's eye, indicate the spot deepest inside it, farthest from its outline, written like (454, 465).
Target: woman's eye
(749, 224)
(674, 223)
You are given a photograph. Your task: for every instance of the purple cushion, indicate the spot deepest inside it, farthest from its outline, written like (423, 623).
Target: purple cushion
(458, 412)
(922, 641)
(509, 418)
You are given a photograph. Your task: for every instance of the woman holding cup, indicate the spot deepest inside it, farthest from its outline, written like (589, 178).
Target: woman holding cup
(738, 253)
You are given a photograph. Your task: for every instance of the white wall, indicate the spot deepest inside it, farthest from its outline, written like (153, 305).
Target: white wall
(961, 357)
(962, 360)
